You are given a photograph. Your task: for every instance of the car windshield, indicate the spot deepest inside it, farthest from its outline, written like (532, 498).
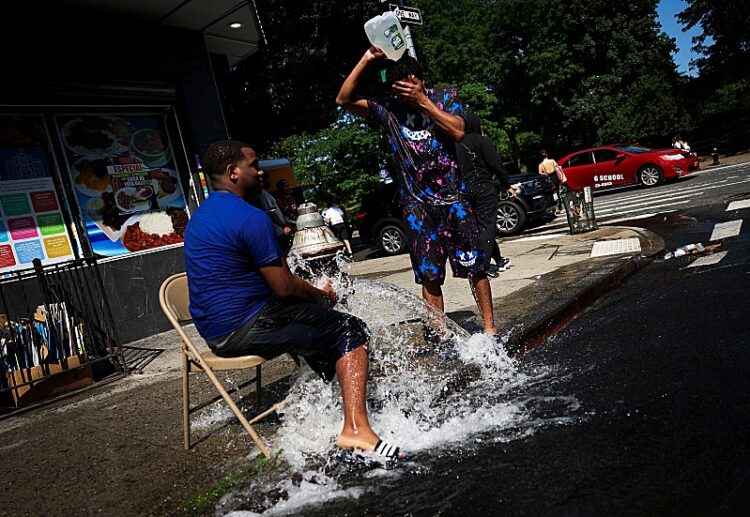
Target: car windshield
(633, 149)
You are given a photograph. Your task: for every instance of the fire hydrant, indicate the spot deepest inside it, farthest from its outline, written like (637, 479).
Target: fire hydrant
(715, 156)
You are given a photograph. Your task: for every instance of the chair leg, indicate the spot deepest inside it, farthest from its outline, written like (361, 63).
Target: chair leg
(223, 392)
(257, 387)
(186, 401)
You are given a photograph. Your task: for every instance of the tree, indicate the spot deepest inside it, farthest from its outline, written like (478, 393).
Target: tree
(342, 160)
(290, 86)
(724, 46)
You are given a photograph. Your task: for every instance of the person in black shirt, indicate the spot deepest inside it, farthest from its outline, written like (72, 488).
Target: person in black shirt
(483, 170)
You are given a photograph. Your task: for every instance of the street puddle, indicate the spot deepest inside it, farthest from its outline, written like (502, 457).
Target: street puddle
(424, 403)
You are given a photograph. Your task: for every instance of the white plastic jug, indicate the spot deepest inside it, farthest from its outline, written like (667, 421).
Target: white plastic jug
(385, 32)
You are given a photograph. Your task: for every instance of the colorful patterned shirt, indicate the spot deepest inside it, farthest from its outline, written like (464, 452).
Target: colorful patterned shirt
(427, 156)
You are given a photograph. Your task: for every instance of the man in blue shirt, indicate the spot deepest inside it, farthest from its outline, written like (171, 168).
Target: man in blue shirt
(244, 300)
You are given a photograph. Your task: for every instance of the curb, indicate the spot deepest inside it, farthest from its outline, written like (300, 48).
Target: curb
(534, 332)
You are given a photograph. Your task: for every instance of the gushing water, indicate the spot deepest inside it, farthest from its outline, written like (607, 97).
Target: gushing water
(417, 399)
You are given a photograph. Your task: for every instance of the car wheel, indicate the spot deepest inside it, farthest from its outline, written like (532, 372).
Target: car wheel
(392, 239)
(511, 218)
(650, 175)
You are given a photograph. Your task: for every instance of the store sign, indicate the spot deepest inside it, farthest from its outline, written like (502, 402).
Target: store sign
(126, 182)
(31, 221)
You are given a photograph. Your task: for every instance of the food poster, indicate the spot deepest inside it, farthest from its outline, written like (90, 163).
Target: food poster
(126, 182)
(31, 220)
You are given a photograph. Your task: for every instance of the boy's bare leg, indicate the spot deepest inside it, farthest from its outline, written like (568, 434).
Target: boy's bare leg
(480, 286)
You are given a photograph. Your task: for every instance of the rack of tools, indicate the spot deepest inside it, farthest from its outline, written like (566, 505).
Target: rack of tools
(56, 332)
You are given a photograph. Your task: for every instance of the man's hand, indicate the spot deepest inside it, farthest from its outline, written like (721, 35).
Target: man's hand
(511, 192)
(373, 53)
(328, 296)
(287, 230)
(411, 91)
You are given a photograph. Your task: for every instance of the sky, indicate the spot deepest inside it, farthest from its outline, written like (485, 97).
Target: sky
(669, 24)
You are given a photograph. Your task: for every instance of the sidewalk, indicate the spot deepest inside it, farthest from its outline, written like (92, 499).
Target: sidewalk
(117, 448)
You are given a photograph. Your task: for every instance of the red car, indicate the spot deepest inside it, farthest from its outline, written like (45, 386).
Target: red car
(619, 165)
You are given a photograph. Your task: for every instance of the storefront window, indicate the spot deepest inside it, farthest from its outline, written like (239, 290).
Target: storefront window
(31, 219)
(125, 179)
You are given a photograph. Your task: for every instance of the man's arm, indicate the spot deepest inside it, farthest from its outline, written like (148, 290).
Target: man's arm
(412, 92)
(285, 285)
(346, 98)
(494, 162)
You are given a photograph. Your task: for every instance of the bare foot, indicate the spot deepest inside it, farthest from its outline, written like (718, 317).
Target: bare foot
(358, 441)
(365, 441)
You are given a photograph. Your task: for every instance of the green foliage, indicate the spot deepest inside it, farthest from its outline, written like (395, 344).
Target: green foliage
(559, 74)
(343, 159)
(203, 501)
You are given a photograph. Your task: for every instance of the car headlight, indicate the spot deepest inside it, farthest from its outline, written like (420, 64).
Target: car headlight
(673, 157)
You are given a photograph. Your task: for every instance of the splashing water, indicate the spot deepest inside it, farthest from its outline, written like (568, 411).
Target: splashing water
(416, 398)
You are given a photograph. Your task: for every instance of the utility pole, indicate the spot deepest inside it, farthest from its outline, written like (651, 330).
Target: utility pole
(407, 34)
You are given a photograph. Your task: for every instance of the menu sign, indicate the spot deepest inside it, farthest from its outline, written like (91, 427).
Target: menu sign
(31, 221)
(125, 180)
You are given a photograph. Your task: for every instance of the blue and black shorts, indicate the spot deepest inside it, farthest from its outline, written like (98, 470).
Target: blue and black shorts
(317, 333)
(435, 234)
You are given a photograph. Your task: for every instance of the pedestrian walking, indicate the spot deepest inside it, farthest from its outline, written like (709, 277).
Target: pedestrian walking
(424, 126)
(484, 175)
(245, 301)
(549, 167)
(334, 217)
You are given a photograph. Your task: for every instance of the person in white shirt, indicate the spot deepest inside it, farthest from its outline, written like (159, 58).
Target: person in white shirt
(334, 217)
(679, 143)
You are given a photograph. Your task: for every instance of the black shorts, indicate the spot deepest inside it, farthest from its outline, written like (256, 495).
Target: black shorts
(340, 231)
(318, 334)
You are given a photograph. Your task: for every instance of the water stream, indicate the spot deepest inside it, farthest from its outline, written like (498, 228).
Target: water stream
(417, 399)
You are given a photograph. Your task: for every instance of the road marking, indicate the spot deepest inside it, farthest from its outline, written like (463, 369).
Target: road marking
(616, 247)
(708, 260)
(539, 237)
(631, 206)
(726, 230)
(633, 218)
(738, 205)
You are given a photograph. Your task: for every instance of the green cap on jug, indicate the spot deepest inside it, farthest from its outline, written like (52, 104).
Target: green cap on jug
(385, 32)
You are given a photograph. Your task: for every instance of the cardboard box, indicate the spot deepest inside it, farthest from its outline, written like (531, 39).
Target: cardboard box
(40, 382)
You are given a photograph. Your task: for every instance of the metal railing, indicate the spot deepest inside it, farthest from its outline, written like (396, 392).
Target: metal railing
(56, 320)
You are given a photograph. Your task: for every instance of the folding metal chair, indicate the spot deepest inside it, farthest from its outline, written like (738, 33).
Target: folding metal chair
(174, 299)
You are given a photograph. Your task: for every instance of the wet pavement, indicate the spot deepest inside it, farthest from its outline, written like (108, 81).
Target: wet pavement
(117, 448)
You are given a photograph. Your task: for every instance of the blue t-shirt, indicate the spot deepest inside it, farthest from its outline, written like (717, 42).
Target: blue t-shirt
(427, 157)
(226, 242)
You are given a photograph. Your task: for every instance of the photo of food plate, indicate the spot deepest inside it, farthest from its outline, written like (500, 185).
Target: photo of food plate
(94, 135)
(149, 145)
(90, 175)
(155, 229)
(134, 199)
(166, 184)
(113, 225)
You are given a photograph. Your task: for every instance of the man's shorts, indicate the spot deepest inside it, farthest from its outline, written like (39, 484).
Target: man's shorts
(437, 233)
(318, 334)
(340, 231)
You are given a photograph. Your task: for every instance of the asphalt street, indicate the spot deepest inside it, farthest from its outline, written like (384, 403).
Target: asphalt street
(657, 371)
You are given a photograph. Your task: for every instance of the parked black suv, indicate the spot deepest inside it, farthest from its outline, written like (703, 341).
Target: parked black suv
(380, 221)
